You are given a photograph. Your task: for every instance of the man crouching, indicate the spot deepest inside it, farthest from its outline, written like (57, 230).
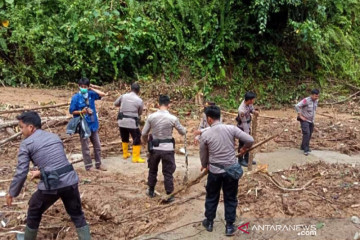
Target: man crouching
(58, 178)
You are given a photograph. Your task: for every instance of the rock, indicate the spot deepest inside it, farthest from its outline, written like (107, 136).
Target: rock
(355, 220)
(357, 236)
(246, 209)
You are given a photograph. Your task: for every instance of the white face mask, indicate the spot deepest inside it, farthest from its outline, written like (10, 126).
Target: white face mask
(85, 95)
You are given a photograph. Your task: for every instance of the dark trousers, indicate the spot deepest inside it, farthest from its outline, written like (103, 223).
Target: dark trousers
(135, 134)
(168, 168)
(216, 182)
(246, 155)
(95, 140)
(40, 201)
(307, 129)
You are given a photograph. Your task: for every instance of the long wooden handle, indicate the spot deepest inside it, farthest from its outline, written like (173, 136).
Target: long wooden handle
(204, 173)
(189, 184)
(261, 143)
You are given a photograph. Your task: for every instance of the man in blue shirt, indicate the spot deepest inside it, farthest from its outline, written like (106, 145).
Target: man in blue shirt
(83, 105)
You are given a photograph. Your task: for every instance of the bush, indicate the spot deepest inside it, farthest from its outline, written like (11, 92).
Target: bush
(264, 45)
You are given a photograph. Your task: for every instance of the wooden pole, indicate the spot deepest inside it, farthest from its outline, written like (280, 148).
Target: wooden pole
(261, 143)
(43, 120)
(35, 108)
(254, 124)
(2, 142)
(204, 173)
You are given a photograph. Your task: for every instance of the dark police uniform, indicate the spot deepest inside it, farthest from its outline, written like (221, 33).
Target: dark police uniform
(46, 151)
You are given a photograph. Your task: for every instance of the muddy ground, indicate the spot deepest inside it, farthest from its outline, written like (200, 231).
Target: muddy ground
(115, 203)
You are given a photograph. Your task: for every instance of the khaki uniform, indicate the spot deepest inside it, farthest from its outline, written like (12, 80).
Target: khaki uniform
(244, 115)
(161, 125)
(130, 105)
(131, 108)
(307, 107)
(217, 146)
(244, 112)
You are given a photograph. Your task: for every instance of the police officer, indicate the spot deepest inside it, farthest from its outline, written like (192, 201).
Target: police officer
(306, 110)
(203, 123)
(131, 108)
(161, 145)
(217, 148)
(58, 178)
(244, 122)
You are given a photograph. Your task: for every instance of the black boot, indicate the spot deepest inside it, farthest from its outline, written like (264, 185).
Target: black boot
(150, 192)
(171, 198)
(230, 229)
(246, 158)
(30, 234)
(240, 159)
(243, 163)
(208, 225)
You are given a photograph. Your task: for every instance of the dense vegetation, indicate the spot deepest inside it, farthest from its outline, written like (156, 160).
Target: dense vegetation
(277, 47)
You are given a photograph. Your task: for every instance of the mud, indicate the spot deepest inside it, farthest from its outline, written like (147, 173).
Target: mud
(116, 206)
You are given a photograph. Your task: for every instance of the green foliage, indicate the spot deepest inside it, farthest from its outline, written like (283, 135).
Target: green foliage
(224, 46)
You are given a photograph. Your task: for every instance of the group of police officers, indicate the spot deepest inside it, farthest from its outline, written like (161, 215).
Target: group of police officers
(217, 151)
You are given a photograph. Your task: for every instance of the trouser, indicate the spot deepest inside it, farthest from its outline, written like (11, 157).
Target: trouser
(168, 168)
(307, 129)
(40, 201)
(247, 154)
(95, 140)
(134, 132)
(230, 188)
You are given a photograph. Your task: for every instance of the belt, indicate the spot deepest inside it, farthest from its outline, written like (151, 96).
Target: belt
(156, 142)
(66, 169)
(240, 122)
(121, 116)
(125, 116)
(164, 140)
(51, 178)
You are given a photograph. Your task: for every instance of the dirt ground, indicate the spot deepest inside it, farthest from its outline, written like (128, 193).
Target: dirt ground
(115, 203)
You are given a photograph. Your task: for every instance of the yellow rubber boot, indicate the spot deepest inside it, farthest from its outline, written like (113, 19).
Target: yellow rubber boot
(136, 154)
(125, 147)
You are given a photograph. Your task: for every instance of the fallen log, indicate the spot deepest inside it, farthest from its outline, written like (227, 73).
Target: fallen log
(262, 142)
(263, 116)
(43, 120)
(254, 135)
(6, 180)
(2, 142)
(10, 131)
(342, 101)
(352, 86)
(189, 184)
(35, 108)
(324, 115)
(19, 133)
(9, 124)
